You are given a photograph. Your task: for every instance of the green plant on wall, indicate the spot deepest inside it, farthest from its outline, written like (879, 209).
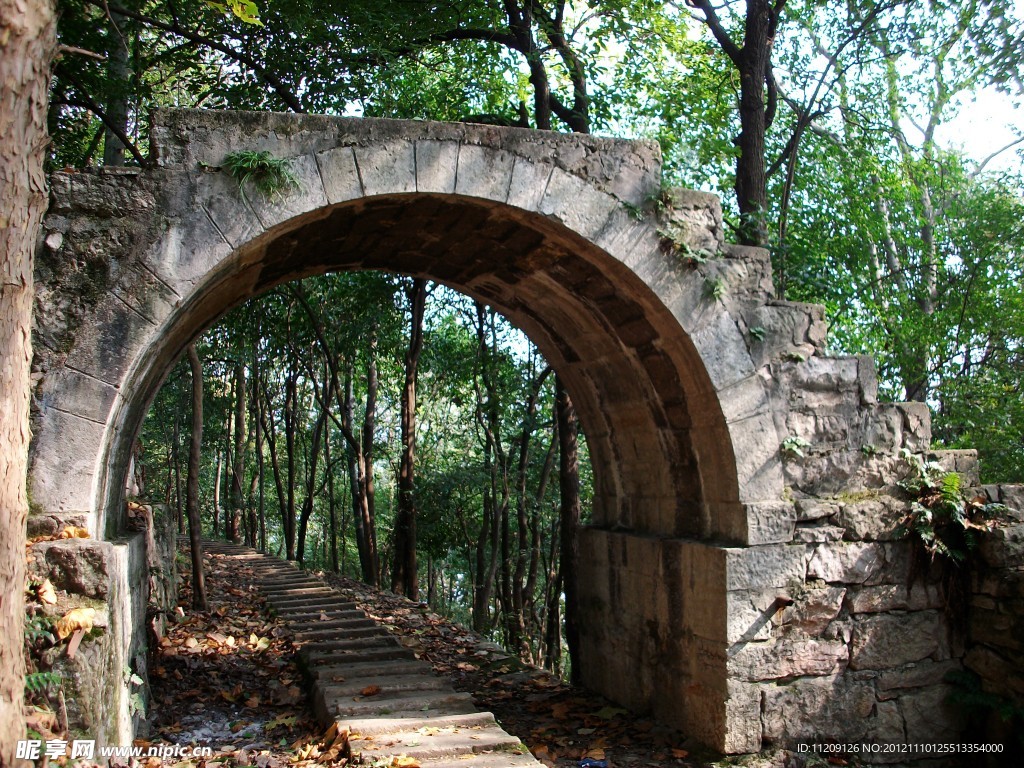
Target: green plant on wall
(271, 176)
(943, 516)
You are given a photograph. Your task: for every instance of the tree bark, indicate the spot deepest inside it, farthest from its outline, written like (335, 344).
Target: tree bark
(192, 493)
(569, 488)
(404, 571)
(237, 502)
(25, 56)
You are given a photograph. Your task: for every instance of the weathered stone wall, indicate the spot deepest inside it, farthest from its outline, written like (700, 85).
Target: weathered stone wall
(117, 579)
(742, 577)
(995, 642)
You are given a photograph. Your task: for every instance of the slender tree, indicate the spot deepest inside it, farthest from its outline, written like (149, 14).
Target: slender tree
(195, 530)
(404, 571)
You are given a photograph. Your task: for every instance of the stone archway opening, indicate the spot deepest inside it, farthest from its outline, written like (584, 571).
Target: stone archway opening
(659, 447)
(594, 321)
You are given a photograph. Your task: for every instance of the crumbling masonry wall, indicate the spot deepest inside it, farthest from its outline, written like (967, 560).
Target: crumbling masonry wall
(742, 577)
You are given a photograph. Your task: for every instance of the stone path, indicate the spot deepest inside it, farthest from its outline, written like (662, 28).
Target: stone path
(364, 679)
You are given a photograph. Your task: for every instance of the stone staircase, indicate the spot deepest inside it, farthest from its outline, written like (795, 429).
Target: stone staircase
(366, 681)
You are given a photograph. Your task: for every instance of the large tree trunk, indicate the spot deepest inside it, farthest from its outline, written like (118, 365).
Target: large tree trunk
(403, 572)
(192, 493)
(28, 42)
(569, 488)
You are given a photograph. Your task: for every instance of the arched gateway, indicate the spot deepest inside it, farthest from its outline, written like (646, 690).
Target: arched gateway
(740, 579)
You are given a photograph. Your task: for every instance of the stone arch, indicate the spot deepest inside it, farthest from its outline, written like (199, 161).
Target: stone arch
(653, 359)
(688, 375)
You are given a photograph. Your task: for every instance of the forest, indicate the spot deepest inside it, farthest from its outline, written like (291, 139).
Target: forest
(392, 429)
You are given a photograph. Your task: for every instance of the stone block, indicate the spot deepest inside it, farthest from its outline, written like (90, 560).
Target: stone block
(1003, 547)
(887, 640)
(388, 168)
(107, 346)
(742, 718)
(963, 462)
(894, 597)
(770, 522)
(1000, 674)
(528, 184)
(192, 247)
(576, 204)
(75, 392)
(873, 519)
(697, 218)
(484, 173)
(744, 399)
(1012, 495)
(815, 509)
(814, 609)
(931, 717)
(723, 351)
(228, 208)
(339, 174)
(786, 658)
(755, 445)
(65, 450)
(818, 534)
(776, 565)
(817, 709)
(308, 195)
(921, 674)
(753, 615)
(436, 163)
(844, 562)
(79, 566)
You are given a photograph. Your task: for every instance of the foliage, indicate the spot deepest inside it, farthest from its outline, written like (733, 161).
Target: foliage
(942, 516)
(795, 446)
(42, 682)
(271, 176)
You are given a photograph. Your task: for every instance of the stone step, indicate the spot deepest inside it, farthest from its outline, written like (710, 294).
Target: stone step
(444, 702)
(385, 653)
(410, 710)
(325, 600)
(334, 673)
(426, 744)
(356, 644)
(394, 684)
(301, 589)
(340, 633)
(412, 721)
(498, 759)
(318, 624)
(334, 614)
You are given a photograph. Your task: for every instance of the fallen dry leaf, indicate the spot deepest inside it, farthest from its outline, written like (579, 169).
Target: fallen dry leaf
(76, 618)
(46, 593)
(73, 532)
(370, 690)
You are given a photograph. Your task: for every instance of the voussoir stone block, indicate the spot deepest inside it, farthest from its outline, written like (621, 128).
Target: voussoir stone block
(387, 168)
(339, 174)
(576, 204)
(307, 195)
(436, 165)
(484, 173)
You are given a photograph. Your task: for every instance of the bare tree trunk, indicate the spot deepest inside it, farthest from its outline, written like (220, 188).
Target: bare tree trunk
(237, 502)
(192, 502)
(28, 35)
(119, 74)
(368, 500)
(569, 489)
(403, 572)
